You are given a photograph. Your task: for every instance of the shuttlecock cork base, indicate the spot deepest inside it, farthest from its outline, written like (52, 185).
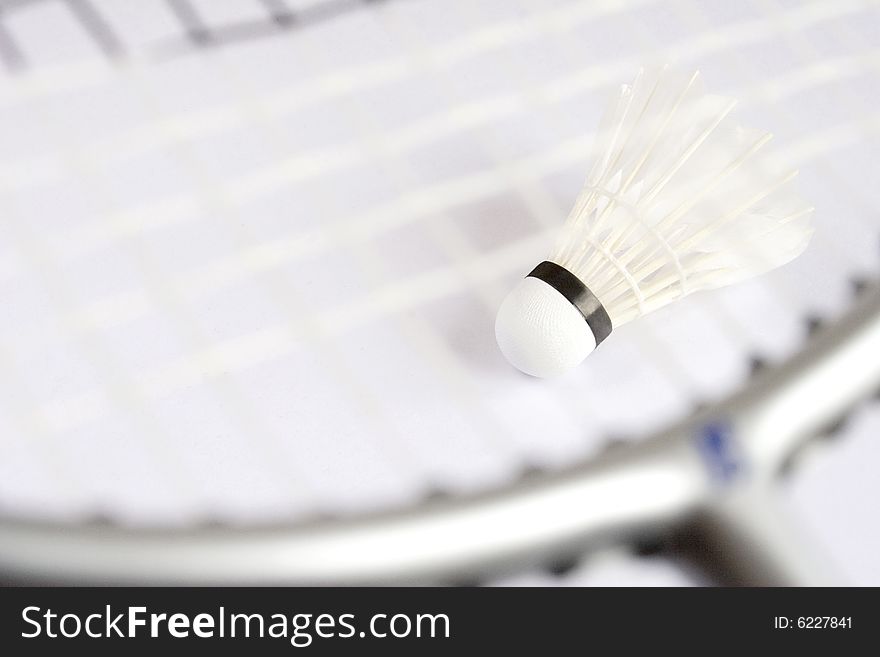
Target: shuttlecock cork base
(550, 322)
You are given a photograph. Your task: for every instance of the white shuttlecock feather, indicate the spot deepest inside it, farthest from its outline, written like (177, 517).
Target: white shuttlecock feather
(679, 199)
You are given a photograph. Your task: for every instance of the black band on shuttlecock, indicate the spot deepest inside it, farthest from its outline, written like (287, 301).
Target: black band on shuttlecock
(578, 295)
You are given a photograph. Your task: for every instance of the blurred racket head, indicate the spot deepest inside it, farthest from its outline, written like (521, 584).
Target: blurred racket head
(252, 251)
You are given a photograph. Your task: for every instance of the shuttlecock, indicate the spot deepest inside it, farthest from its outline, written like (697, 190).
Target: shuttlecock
(679, 199)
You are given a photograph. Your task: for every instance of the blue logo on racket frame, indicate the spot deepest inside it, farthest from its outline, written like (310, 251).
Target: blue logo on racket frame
(720, 452)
